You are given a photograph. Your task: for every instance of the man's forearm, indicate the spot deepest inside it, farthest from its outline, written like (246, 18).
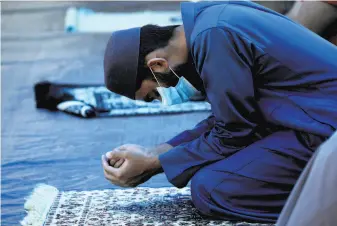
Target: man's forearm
(160, 149)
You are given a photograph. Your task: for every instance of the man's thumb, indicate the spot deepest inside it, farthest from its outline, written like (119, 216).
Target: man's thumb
(117, 154)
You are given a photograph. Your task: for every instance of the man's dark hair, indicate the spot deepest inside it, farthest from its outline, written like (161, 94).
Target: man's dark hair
(152, 37)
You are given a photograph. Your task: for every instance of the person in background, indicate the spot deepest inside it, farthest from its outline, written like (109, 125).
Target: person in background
(318, 16)
(272, 86)
(313, 201)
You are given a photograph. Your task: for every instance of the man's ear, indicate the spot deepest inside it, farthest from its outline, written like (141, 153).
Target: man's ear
(158, 65)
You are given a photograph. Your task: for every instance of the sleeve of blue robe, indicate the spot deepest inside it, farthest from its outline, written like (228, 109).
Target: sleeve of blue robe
(224, 61)
(189, 135)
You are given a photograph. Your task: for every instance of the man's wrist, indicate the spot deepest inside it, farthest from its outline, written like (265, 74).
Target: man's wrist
(157, 165)
(155, 162)
(153, 166)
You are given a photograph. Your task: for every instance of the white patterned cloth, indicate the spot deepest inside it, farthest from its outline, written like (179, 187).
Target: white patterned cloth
(93, 100)
(111, 104)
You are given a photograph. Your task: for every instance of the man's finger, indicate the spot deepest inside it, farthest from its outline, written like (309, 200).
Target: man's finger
(118, 163)
(118, 155)
(113, 162)
(114, 172)
(113, 180)
(110, 154)
(109, 177)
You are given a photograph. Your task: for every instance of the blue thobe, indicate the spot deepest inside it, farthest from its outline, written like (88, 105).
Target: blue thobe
(272, 85)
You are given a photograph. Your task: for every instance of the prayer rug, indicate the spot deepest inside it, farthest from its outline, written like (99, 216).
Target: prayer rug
(96, 101)
(89, 21)
(126, 207)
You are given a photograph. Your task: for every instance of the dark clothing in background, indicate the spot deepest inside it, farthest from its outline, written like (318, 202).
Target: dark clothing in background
(272, 85)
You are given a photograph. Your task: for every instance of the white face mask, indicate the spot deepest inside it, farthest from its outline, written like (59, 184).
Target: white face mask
(181, 93)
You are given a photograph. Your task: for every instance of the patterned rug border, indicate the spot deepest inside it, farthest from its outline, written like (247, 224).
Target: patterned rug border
(52, 210)
(38, 204)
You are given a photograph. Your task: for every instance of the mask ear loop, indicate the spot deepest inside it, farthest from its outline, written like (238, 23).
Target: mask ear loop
(174, 72)
(155, 76)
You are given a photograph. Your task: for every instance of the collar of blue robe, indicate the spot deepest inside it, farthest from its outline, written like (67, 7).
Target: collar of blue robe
(187, 14)
(189, 11)
(121, 62)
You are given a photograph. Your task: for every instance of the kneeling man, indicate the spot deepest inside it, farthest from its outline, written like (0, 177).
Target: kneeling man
(272, 86)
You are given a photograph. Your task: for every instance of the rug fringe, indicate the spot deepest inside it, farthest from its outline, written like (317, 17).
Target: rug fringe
(38, 204)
